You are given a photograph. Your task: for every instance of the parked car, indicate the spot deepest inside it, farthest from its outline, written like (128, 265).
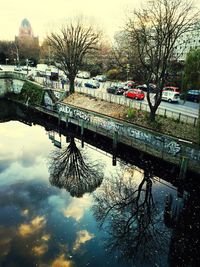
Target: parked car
(191, 95)
(26, 68)
(17, 68)
(170, 96)
(128, 85)
(171, 89)
(100, 78)
(143, 87)
(92, 84)
(83, 74)
(116, 90)
(135, 94)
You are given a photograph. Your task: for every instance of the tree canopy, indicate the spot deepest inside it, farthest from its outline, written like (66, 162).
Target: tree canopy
(191, 78)
(71, 45)
(153, 31)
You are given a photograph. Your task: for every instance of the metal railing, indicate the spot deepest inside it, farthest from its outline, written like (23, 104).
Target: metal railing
(165, 112)
(12, 75)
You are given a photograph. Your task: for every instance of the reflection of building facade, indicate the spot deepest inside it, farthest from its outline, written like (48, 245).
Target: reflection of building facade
(27, 43)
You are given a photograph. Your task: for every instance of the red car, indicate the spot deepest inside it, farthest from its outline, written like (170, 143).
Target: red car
(135, 94)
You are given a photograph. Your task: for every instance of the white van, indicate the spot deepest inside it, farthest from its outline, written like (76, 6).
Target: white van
(170, 96)
(83, 74)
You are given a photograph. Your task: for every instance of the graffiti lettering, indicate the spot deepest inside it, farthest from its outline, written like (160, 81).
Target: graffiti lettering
(74, 113)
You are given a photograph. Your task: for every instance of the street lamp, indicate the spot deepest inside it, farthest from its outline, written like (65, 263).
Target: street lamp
(7, 60)
(27, 64)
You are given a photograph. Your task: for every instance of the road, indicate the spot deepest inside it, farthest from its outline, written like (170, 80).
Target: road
(187, 108)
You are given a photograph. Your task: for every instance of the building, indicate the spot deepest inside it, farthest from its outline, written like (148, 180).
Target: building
(27, 43)
(187, 42)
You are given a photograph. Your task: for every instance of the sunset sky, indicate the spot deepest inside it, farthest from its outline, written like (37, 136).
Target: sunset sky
(46, 15)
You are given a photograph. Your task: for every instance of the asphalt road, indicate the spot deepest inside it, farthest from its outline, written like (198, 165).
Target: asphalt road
(187, 108)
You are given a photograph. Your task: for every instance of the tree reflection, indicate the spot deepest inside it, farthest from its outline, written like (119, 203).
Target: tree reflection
(182, 215)
(72, 170)
(131, 216)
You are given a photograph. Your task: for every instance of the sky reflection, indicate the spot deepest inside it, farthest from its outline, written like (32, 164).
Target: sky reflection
(42, 225)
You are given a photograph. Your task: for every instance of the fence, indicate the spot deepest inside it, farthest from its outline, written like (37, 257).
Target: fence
(166, 112)
(179, 116)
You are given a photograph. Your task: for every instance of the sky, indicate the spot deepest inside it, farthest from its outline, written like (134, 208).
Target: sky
(47, 15)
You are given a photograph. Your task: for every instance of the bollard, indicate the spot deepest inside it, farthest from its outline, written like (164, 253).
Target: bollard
(183, 168)
(115, 139)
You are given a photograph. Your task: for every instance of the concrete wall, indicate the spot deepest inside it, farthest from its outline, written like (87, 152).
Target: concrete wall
(168, 148)
(8, 85)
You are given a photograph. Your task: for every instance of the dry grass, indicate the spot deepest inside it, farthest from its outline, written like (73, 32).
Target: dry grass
(161, 125)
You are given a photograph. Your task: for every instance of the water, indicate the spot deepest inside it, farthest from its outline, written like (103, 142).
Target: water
(107, 216)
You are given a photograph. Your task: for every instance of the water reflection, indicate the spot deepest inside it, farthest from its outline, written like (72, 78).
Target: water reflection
(72, 169)
(131, 216)
(182, 216)
(41, 225)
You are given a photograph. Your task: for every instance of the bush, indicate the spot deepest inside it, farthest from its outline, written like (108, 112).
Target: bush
(131, 113)
(31, 93)
(113, 74)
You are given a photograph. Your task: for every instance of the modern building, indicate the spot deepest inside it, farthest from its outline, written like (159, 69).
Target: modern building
(187, 42)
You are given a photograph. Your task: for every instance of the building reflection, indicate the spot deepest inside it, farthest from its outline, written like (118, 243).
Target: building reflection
(72, 170)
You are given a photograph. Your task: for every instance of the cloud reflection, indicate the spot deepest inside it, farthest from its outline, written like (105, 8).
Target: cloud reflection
(82, 237)
(77, 208)
(62, 262)
(35, 225)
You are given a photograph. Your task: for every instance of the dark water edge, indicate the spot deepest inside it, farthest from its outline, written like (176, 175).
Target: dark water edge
(139, 215)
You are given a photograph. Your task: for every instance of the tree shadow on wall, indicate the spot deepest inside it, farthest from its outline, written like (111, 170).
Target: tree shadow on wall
(72, 170)
(130, 215)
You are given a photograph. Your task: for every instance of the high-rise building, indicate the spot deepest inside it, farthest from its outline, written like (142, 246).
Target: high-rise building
(188, 41)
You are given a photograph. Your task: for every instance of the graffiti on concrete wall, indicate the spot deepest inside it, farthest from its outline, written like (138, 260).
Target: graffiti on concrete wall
(74, 113)
(158, 142)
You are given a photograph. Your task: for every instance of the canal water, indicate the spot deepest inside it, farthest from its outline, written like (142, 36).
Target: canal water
(68, 206)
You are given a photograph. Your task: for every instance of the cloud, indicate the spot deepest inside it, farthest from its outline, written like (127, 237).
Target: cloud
(35, 225)
(77, 208)
(62, 262)
(82, 237)
(40, 250)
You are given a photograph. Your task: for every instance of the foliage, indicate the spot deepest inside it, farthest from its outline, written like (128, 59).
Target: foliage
(114, 74)
(131, 113)
(31, 94)
(191, 78)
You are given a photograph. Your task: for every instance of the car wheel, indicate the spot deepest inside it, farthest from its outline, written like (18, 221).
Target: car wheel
(169, 100)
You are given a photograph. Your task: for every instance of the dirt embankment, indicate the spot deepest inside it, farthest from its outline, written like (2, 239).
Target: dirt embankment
(162, 125)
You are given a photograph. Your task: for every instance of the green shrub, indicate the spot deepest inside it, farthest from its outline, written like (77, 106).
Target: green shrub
(113, 74)
(131, 113)
(31, 93)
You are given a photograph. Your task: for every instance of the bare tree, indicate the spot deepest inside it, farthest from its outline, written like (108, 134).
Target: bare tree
(71, 169)
(154, 31)
(71, 45)
(131, 217)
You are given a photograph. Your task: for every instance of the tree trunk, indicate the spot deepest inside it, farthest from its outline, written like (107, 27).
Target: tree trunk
(71, 86)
